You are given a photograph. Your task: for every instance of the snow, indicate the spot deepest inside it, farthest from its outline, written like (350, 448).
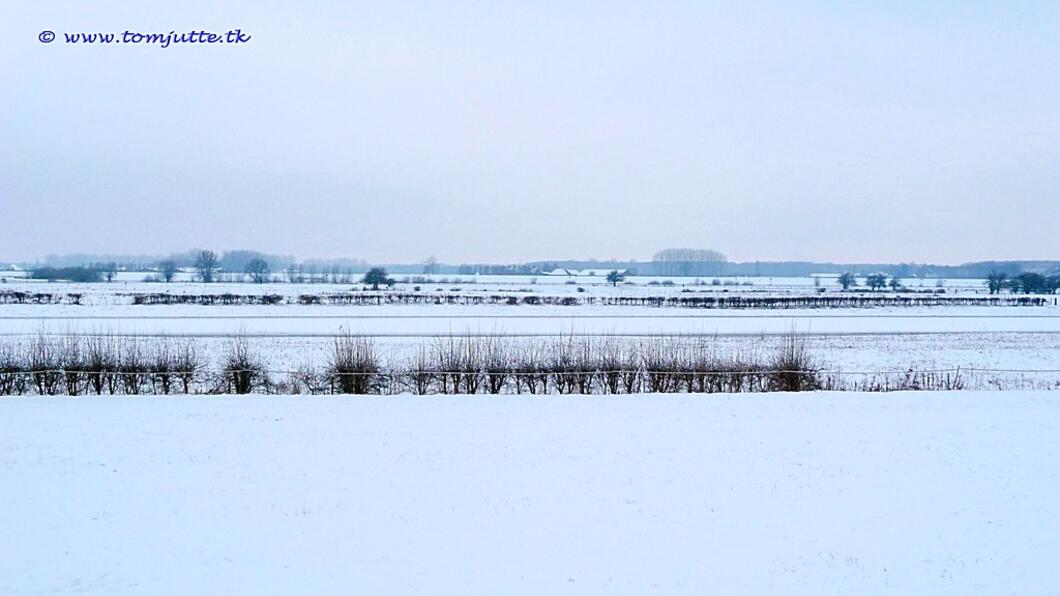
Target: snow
(901, 493)
(430, 318)
(557, 283)
(844, 339)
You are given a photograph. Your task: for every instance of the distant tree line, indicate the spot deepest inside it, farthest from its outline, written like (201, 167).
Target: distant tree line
(76, 274)
(997, 282)
(977, 270)
(512, 269)
(1023, 283)
(238, 265)
(873, 281)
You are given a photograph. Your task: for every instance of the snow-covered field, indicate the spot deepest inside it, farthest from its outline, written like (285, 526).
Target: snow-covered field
(409, 319)
(901, 493)
(816, 493)
(290, 335)
(184, 282)
(119, 291)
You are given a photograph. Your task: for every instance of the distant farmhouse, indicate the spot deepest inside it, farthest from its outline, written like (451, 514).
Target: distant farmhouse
(11, 271)
(602, 273)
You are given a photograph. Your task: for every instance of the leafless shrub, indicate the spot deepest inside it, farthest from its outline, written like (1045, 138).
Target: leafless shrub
(687, 362)
(743, 371)
(12, 370)
(698, 364)
(742, 375)
(133, 366)
(471, 363)
(242, 370)
(935, 381)
(563, 363)
(420, 376)
(585, 366)
(630, 376)
(73, 364)
(464, 364)
(659, 362)
(530, 368)
(914, 380)
(792, 367)
(100, 363)
(186, 364)
(497, 363)
(45, 365)
(611, 356)
(306, 378)
(447, 359)
(355, 366)
(460, 361)
(288, 385)
(163, 367)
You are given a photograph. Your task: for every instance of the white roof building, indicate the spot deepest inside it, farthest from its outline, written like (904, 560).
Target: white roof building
(562, 271)
(599, 272)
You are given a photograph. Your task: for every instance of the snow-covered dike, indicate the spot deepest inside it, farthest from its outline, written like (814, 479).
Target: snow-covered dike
(901, 493)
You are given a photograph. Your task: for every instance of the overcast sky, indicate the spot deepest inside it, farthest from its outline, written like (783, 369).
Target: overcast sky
(509, 131)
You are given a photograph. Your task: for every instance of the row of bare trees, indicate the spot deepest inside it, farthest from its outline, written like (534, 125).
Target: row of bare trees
(687, 262)
(75, 365)
(463, 365)
(258, 270)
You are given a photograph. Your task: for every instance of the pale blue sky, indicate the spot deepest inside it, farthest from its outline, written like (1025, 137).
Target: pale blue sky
(504, 131)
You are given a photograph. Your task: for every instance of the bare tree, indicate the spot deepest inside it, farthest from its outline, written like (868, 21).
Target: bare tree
(996, 281)
(847, 280)
(689, 261)
(258, 270)
(168, 270)
(243, 370)
(430, 266)
(876, 281)
(110, 271)
(206, 265)
(295, 274)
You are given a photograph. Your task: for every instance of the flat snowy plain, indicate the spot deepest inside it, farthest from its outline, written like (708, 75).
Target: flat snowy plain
(839, 339)
(826, 493)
